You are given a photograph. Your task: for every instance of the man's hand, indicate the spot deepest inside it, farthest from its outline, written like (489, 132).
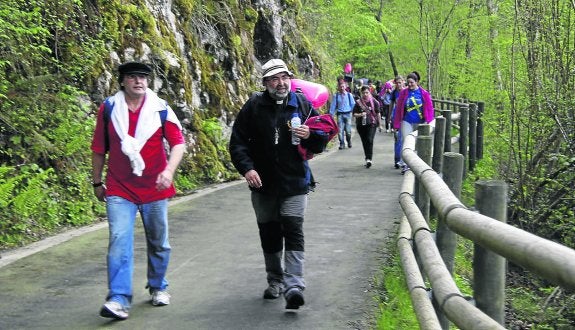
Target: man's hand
(301, 131)
(100, 192)
(164, 179)
(253, 179)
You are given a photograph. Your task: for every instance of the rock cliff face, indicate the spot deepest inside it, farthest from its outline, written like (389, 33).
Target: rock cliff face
(58, 61)
(207, 59)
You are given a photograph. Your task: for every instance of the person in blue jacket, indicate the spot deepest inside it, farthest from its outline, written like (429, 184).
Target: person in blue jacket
(341, 105)
(262, 151)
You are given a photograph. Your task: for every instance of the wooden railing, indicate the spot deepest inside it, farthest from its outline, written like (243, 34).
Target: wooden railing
(437, 188)
(467, 119)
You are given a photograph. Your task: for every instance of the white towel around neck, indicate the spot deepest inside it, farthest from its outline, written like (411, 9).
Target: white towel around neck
(148, 123)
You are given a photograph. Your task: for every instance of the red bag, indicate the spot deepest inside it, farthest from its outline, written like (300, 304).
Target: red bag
(323, 125)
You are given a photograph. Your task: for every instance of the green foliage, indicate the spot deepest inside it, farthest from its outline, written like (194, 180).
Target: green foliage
(485, 169)
(33, 204)
(212, 128)
(354, 37)
(543, 308)
(45, 122)
(463, 267)
(396, 311)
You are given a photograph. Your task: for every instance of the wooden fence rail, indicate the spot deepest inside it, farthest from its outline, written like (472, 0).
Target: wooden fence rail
(470, 127)
(494, 238)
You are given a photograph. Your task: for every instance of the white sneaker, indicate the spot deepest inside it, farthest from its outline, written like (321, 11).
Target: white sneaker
(114, 310)
(160, 298)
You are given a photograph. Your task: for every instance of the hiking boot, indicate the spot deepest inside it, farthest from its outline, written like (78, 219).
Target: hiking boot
(273, 291)
(114, 310)
(160, 298)
(294, 298)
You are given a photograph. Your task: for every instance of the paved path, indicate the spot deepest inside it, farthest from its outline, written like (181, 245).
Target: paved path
(216, 273)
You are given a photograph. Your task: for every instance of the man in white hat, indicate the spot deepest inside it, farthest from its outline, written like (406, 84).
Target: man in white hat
(262, 151)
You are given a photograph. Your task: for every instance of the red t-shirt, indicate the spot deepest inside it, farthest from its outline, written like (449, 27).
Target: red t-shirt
(120, 181)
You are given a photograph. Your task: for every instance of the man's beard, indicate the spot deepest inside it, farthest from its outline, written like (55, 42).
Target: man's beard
(277, 95)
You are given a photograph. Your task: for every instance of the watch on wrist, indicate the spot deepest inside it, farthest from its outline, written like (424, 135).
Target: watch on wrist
(99, 184)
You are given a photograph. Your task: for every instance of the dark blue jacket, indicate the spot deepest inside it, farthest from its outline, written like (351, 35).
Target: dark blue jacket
(253, 144)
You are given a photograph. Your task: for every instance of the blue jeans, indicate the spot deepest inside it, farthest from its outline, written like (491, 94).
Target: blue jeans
(121, 219)
(405, 130)
(344, 124)
(397, 147)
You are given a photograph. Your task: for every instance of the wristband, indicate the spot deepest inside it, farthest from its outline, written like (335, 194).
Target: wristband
(99, 184)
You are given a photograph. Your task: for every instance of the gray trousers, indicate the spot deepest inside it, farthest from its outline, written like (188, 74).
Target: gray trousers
(280, 223)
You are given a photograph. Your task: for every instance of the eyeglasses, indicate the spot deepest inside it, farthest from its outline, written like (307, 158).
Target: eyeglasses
(276, 79)
(134, 76)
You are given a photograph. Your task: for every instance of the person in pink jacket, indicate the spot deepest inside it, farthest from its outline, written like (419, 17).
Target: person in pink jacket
(414, 106)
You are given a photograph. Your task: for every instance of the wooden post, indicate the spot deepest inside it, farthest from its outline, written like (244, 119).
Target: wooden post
(464, 134)
(480, 110)
(423, 146)
(447, 137)
(488, 267)
(438, 144)
(437, 162)
(445, 239)
(453, 164)
(472, 136)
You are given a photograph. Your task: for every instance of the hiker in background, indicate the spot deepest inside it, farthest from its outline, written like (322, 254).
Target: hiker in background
(342, 80)
(366, 112)
(264, 150)
(130, 129)
(398, 85)
(341, 105)
(358, 84)
(371, 85)
(385, 98)
(414, 107)
(378, 86)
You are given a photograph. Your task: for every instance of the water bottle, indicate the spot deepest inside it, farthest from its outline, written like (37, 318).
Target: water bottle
(364, 120)
(295, 122)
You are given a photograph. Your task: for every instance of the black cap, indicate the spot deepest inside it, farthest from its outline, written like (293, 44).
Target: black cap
(134, 67)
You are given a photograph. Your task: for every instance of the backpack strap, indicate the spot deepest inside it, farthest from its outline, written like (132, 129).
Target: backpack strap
(304, 105)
